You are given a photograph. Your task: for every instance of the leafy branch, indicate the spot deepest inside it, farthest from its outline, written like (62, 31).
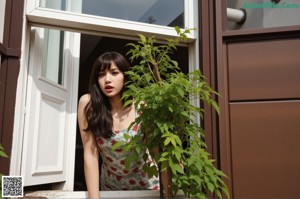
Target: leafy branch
(164, 96)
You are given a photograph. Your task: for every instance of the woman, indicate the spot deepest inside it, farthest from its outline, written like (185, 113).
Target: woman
(103, 120)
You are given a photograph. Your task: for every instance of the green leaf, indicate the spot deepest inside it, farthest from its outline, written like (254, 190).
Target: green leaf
(190, 161)
(143, 38)
(215, 105)
(117, 145)
(164, 165)
(162, 159)
(180, 91)
(211, 187)
(178, 156)
(128, 161)
(127, 136)
(183, 36)
(138, 148)
(177, 139)
(167, 141)
(178, 168)
(3, 154)
(128, 102)
(173, 141)
(166, 127)
(127, 147)
(225, 190)
(164, 154)
(218, 194)
(177, 29)
(153, 171)
(220, 173)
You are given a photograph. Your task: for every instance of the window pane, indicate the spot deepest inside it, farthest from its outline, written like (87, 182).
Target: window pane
(52, 65)
(54, 4)
(160, 12)
(266, 14)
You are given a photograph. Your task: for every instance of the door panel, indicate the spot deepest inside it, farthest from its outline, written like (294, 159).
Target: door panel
(49, 133)
(264, 69)
(265, 149)
(260, 129)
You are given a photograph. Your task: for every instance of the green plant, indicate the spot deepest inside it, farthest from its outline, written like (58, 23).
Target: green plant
(164, 95)
(2, 154)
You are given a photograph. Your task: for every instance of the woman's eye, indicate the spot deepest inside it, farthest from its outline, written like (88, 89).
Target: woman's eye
(115, 73)
(101, 74)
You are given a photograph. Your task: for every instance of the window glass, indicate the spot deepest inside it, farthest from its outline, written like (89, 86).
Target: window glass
(160, 12)
(52, 56)
(266, 13)
(54, 4)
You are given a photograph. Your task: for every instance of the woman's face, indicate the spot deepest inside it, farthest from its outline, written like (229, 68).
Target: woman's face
(111, 81)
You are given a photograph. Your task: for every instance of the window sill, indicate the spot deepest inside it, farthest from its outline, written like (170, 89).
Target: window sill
(145, 194)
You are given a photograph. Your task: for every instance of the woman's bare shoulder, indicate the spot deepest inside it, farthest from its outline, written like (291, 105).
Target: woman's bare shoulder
(84, 100)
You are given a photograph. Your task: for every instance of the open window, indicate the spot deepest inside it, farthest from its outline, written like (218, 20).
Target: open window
(91, 47)
(64, 41)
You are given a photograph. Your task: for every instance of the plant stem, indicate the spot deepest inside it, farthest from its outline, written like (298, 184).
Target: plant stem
(151, 71)
(165, 176)
(167, 184)
(157, 72)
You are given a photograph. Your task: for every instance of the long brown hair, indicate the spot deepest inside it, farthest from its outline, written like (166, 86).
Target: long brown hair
(98, 110)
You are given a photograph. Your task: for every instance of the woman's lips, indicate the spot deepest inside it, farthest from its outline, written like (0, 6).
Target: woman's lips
(108, 89)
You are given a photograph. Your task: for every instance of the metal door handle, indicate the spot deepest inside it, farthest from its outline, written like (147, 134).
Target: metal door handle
(236, 15)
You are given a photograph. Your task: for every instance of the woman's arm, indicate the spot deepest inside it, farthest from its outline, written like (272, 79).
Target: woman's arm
(90, 153)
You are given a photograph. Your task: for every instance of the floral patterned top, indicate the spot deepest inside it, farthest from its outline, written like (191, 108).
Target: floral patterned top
(114, 175)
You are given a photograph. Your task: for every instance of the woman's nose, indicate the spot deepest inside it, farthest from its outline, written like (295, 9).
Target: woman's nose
(107, 77)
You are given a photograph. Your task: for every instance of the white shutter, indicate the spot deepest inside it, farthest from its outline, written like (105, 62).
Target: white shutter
(50, 121)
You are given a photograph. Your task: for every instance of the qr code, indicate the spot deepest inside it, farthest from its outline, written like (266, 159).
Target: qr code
(12, 186)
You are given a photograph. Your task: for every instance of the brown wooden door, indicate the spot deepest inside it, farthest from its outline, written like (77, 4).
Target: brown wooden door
(264, 118)
(258, 74)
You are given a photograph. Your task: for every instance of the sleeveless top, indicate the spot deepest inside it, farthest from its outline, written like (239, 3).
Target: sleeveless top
(114, 175)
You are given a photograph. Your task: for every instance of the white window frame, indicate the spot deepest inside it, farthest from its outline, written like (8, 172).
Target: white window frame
(2, 16)
(88, 24)
(40, 16)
